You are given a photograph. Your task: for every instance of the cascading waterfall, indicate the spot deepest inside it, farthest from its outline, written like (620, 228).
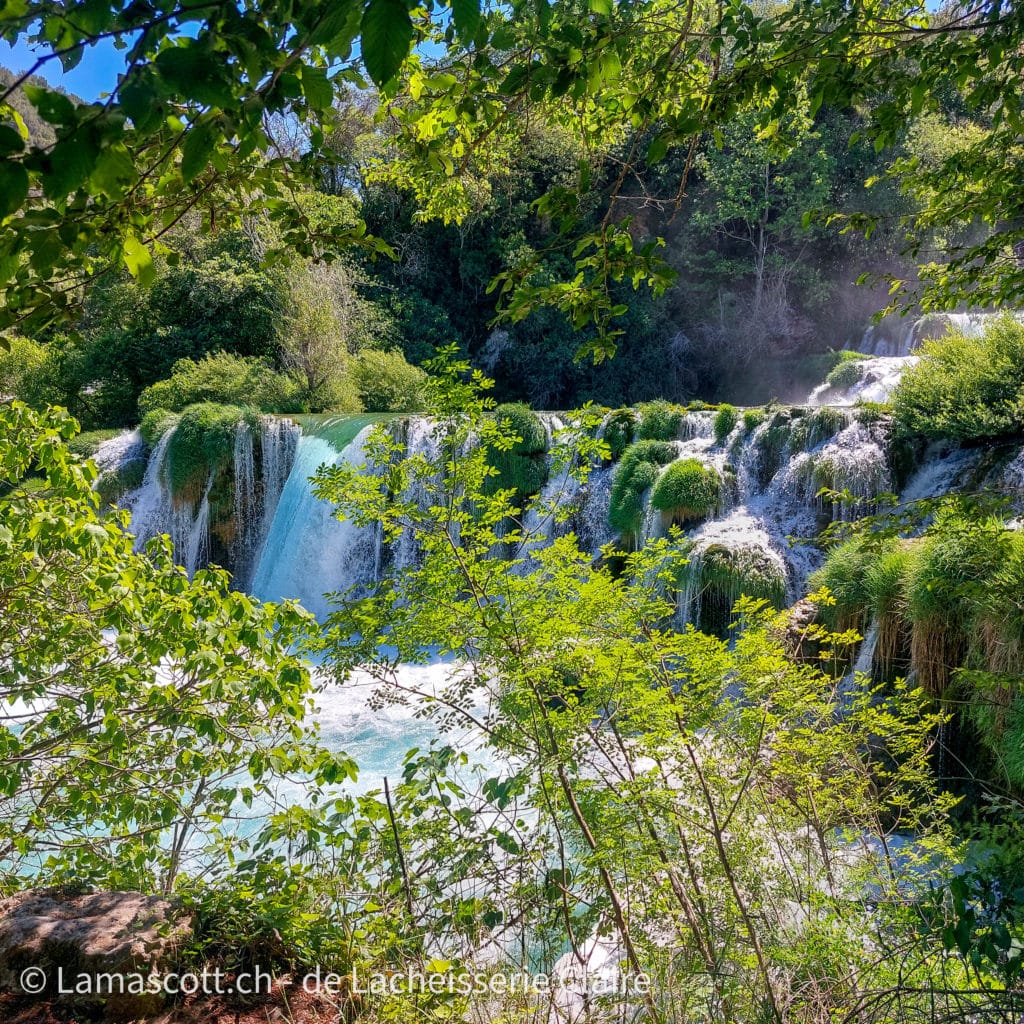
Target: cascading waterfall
(308, 553)
(119, 451)
(155, 509)
(286, 543)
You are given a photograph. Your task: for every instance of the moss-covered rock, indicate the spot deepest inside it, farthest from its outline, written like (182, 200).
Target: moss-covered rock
(636, 473)
(523, 467)
(155, 424)
(725, 420)
(817, 426)
(717, 577)
(659, 421)
(847, 372)
(687, 491)
(202, 445)
(619, 431)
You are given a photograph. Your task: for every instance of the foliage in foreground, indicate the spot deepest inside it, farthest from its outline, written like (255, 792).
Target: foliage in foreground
(667, 790)
(146, 714)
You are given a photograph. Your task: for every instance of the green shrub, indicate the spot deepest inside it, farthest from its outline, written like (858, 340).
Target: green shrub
(386, 382)
(847, 371)
(659, 421)
(226, 379)
(966, 388)
(155, 424)
(753, 418)
(727, 418)
(637, 471)
(523, 467)
(202, 443)
(619, 432)
(686, 491)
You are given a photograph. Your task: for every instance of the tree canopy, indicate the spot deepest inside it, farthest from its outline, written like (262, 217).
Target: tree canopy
(191, 127)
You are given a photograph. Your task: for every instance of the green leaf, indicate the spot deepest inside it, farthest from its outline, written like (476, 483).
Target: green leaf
(138, 260)
(317, 87)
(386, 38)
(114, 171)
(13, 187)
(69, 165)
(10, 140)
(193, 71)
(139, 100)
(467, 18)
(53, 107)
(196, 150)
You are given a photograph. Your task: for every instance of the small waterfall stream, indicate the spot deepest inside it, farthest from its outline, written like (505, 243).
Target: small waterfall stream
(308, 553)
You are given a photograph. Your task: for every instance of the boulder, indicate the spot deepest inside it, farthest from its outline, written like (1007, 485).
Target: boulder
(89, 949)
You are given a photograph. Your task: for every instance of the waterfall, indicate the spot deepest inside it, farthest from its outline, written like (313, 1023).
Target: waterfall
(236, 536)
(117, 452)
(155, 511)
(308, 553)
(863, 666)
(876, 383)
(421, 442)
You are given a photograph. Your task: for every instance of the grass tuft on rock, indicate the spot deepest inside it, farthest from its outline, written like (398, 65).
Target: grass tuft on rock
(659, 421)
(725, 420)
(636, 473)
(687, 491)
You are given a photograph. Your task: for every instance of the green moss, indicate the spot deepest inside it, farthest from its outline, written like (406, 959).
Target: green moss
(202, 443)
(114, 484)
(155, 424)
(637, 471)
(719, 576)
(659, 421)
(772, 444)
(687, 491)
(523, 467)
(619, 431)
(726, 419)
(817, 426)
(519, 419)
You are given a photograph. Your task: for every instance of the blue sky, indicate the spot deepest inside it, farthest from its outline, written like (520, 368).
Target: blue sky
(97, 73)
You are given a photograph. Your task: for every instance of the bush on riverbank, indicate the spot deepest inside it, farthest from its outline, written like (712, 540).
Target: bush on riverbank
(226, 379)
(966, 388)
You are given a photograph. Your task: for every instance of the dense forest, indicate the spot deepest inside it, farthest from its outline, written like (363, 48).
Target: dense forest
(758, 286)
(456, 564)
